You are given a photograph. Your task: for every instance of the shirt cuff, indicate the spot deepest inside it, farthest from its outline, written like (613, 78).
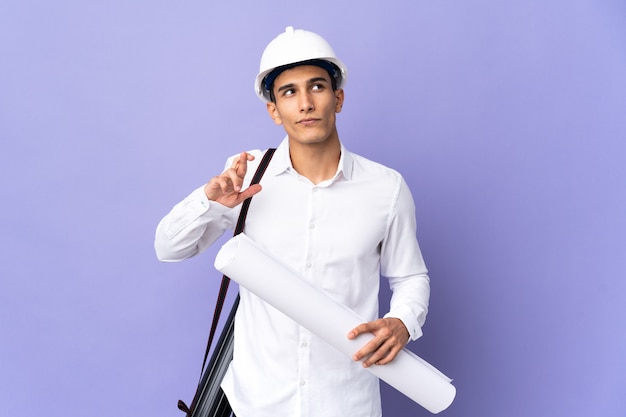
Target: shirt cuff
(191, 208)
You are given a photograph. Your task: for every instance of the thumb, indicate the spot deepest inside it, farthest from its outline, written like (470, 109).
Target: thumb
(250, 191)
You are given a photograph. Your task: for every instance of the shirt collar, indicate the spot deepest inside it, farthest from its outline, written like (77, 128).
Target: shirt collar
(281, 162)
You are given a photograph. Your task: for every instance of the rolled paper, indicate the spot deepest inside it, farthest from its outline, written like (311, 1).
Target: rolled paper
(241, 259)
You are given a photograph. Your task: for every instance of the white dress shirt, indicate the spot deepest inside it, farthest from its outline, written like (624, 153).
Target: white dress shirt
(341, 235)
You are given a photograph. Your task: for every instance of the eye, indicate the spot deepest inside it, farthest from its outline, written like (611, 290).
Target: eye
(317, 87)
(288, 92)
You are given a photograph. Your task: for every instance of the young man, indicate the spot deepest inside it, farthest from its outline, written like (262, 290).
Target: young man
(336, 218)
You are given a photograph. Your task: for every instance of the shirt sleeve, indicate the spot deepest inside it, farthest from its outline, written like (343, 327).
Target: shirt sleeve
(191, 227)
(402, 263)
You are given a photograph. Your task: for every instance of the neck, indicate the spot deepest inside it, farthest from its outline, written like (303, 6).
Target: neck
(318, 161)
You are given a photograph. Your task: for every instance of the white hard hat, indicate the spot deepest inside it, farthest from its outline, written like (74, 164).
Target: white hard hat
(291, 47)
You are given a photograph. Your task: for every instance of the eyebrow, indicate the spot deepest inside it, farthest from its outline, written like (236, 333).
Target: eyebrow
(311, 81)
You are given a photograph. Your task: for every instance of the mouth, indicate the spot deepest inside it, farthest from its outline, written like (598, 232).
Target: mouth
(308, 122)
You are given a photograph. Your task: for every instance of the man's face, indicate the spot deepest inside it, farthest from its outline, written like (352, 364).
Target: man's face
(306, 104)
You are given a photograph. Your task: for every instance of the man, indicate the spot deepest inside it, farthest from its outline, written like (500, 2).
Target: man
(337, 219)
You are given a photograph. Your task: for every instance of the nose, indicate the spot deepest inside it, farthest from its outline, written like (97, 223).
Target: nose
(306, 103)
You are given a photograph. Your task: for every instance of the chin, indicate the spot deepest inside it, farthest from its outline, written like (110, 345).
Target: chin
(311, 138)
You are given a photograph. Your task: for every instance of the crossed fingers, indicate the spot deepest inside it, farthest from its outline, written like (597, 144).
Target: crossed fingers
(232, 179)
(226, 188)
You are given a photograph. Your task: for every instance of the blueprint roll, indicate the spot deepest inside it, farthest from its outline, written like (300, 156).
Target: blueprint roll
(241, 259)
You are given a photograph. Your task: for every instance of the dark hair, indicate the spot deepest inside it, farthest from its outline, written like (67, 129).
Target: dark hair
(332, 69)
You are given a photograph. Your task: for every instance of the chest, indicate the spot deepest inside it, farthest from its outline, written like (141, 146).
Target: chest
(291, 216)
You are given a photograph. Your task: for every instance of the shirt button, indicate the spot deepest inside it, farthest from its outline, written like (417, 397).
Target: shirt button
(308, 266)
(312, 226)
(302, 382)
(305, 344)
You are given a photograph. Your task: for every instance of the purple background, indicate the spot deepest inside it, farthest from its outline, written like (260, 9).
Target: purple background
(508, 120)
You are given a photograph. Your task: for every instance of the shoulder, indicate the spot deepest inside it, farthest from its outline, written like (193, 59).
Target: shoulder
(382, 180)
(364, 168)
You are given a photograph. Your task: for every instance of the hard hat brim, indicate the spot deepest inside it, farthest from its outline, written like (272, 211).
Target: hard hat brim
(263, 93)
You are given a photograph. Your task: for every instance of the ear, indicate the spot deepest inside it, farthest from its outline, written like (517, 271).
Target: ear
(339, 95)
(273, 112)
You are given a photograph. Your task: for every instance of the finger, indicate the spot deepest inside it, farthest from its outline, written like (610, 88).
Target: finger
(232, 177)
(241, 164)
(249, 192)
(237, 160)
(225, 184)
(385, 353)
(380, 356)
(390, 356)
(360, 329)
(368, 349)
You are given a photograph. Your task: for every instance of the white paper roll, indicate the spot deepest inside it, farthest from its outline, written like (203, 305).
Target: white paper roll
(241, 259)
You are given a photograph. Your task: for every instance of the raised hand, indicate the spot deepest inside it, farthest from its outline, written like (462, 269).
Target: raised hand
(226, 187)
